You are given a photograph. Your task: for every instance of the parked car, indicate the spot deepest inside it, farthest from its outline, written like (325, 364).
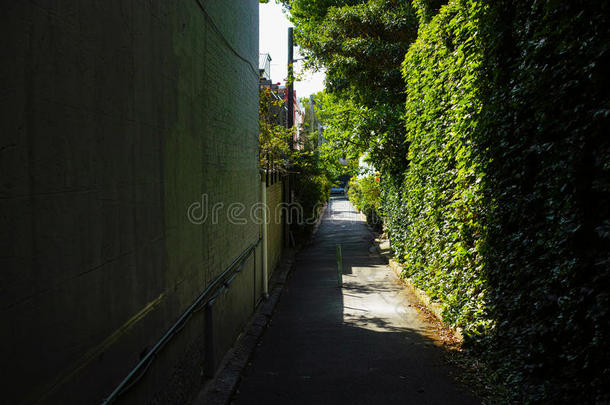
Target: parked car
(337, 191)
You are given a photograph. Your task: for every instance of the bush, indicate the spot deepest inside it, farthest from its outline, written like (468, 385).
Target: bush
(312, 188)
(364, 193)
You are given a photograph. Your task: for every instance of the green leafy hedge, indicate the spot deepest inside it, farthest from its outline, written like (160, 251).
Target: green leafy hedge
(365, 194)
(503, 214)
(440, 210)
(545, 127)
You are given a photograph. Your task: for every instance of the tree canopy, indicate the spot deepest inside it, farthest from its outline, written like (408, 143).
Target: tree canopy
(361, 45)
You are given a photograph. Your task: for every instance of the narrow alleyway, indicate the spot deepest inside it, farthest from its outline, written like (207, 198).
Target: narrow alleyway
(359, 344)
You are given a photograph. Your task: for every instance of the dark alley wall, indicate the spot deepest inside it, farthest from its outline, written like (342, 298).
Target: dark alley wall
(116, 116)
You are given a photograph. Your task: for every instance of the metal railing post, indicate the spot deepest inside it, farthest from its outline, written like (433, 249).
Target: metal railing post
(210, 365)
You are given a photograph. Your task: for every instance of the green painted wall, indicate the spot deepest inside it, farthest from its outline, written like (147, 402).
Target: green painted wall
(116, 116)
(275, 228)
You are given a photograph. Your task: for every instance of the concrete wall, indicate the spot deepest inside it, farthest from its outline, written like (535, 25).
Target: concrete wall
(116, 116)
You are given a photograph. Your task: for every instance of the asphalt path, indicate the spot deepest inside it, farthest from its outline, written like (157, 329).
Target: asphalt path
(359, 343)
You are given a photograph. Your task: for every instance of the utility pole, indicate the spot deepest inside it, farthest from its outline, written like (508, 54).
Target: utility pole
(289, 86)
(289, 198)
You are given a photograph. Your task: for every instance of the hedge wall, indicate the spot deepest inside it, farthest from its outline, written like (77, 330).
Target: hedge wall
(503, 214)
(437, 238)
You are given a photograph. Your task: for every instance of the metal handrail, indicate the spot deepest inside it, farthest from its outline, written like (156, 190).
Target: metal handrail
(209, 294)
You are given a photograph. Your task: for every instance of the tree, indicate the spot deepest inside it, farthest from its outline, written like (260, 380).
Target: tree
(360, 44)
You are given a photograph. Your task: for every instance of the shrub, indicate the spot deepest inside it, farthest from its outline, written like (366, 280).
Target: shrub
(312, 188)
(364, 193)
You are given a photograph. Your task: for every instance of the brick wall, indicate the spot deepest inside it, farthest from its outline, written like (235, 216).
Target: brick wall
(116, 116)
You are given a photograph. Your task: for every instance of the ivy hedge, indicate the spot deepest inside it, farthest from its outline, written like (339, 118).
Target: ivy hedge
(503, 211)
(364, 192)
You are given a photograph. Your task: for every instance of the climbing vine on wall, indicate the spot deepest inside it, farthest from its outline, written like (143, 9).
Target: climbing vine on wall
(273, 148)
(502, 214)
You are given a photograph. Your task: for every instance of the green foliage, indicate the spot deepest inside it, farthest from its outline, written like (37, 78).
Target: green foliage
(360, 44)
(273, 148)
(343, 123)
(435, 221)
(365, 194)
(426, 9)
(503, 214)
(327, 156)
(351, 130)
(311, 174)
(544, 125)
(312, 188)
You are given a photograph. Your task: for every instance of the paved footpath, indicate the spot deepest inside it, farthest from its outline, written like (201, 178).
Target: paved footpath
(358, 344)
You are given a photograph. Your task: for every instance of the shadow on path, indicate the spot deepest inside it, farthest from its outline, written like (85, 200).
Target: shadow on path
(362, 343)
